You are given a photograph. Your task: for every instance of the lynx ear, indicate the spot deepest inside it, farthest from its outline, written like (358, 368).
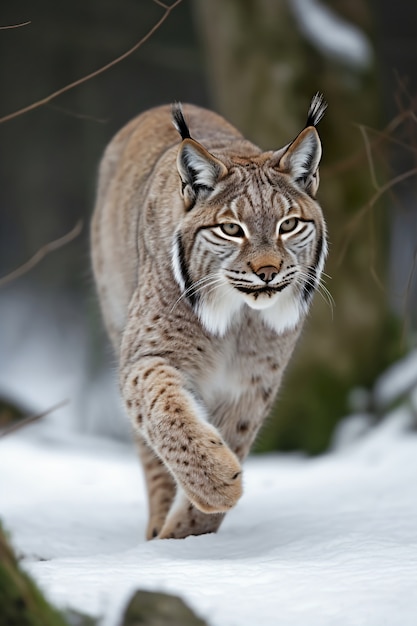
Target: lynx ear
(301, 160)
(199, 170)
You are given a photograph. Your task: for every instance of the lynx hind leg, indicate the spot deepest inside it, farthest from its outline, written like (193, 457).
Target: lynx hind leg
(184, 519)
(160, 486)
(170, 516)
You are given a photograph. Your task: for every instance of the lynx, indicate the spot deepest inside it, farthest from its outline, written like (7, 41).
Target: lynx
(206, 253)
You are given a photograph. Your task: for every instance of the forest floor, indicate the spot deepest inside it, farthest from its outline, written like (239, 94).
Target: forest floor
(317, 542)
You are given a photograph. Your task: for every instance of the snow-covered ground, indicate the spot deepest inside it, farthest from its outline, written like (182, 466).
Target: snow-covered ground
(324, 541)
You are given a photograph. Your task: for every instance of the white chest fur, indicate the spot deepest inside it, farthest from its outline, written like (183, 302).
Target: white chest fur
(223, 382)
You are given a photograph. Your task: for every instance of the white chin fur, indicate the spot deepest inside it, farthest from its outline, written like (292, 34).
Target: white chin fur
(260, 301)
(281, 312)
(284, 312)
(217, 313)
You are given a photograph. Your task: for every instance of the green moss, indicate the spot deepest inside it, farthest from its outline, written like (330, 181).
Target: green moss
(306, 422)
(21, 602)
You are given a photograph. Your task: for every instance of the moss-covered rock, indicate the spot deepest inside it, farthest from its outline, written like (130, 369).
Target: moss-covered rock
(148, 608)
(21, 602)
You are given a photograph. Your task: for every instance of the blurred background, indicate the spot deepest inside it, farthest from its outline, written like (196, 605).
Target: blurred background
(257, 62)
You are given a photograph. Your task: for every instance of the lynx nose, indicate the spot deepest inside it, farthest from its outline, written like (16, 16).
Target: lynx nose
(267, 273)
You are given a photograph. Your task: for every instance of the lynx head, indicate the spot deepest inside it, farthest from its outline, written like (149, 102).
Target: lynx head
(252, 233)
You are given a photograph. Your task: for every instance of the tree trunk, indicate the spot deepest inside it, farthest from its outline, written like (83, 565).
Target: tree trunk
(263, 72)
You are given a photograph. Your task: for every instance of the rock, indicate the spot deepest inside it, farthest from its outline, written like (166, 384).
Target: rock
(148, 608)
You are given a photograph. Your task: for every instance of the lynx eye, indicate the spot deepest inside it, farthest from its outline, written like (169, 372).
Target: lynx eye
(288, 225)
(232, 230)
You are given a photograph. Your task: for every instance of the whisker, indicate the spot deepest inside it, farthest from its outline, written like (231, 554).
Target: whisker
(215, 282)
(326, 275)
(320, 288)
(319, 284)
(213, 288)
(199, 282)
(197, 286)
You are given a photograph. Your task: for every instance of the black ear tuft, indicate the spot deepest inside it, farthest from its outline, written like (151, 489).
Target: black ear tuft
(179, 121)
(317, 109)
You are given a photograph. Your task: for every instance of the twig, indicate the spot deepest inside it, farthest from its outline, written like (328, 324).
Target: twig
(41, 253)
(356, 158)
(32, 418)
(389, 137)
(407, 297)
(101, 70)
(350, 228)
(376, 185)
(372, 252)
(15, 25)
(369, 156)
(80, 116)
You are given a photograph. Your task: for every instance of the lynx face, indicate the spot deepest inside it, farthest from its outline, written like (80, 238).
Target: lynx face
(252, 233)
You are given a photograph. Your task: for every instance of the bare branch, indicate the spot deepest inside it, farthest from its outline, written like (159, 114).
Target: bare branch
(15, 25)
(389, 137)
(161, 4)
(32, 418)
(407, 296)
(372, 252)
(369, 156)
(41, 253)
(80, 116)
(101, 70)
(351, 227)
(356, 158)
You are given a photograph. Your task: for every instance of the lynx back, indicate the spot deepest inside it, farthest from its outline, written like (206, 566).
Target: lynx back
(206, 254)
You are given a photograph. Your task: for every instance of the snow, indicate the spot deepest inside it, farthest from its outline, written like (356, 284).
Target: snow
(45, 337)
(323, 541)
(331, 34)
(397, 380)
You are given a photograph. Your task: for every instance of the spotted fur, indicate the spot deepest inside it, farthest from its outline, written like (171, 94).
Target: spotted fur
(206, 253)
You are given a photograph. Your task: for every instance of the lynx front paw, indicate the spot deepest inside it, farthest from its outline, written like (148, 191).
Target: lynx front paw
(214, 484)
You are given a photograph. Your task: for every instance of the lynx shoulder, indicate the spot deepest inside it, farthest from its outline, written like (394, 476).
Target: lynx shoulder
(206, 253)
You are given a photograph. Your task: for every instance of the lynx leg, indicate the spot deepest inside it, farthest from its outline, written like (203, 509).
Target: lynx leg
(173, 423)
(160, 486)
(185, 519)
